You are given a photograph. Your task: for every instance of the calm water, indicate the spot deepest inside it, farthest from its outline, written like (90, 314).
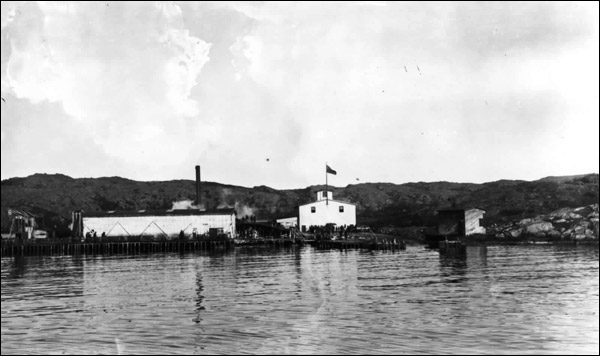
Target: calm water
(507, 300)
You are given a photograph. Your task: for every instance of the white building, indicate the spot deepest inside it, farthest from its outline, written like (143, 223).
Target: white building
(161, 223)
(473, 220)
(326, 211)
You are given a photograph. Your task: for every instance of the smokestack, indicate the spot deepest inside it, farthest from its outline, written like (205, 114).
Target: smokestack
(198, 186)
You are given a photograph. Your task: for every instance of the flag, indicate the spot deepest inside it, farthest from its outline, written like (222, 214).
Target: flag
(329, 170)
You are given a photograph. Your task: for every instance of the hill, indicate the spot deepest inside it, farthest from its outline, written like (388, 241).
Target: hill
(378, 204)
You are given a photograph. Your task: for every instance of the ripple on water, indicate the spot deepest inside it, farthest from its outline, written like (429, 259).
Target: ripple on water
(505, 299)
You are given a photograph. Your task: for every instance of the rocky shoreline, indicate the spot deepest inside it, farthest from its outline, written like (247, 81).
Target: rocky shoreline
(566, 224)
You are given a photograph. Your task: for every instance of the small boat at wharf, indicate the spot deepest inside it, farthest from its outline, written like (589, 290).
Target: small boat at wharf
(455, 246)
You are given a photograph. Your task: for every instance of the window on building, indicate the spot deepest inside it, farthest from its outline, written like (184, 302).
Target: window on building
(313, 209)
(341, 208)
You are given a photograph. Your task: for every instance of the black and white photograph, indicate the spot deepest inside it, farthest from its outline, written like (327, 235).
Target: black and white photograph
(300, 178)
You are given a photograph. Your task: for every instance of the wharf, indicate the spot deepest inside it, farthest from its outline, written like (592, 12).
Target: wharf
(362, 243)
(14, 248)
(358, 244)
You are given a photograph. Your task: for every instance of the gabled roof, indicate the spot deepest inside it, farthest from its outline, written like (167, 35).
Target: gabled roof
(448, 210)
(158, 212)
(21, 213)
(324, 200)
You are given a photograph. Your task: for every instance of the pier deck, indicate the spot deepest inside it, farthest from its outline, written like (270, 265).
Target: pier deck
(58, 247)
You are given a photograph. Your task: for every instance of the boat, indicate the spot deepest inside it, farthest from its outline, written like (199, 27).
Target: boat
(455, 246)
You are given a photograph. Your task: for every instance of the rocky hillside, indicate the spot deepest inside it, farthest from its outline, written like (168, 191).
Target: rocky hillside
(378, 204)
(566, 223)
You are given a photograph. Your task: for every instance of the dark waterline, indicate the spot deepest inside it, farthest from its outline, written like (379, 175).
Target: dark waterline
(495, 300)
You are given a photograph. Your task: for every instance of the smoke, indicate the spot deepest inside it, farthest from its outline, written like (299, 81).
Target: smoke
(185, 204)
(228, 201)
(225, 193)
(243, 210)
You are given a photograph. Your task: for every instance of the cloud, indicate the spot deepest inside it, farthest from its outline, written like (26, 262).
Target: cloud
(30, 145)
(125, 71)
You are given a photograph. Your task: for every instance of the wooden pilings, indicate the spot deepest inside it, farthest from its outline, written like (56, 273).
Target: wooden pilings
(268, 242)
(110, 248)
(14, 248)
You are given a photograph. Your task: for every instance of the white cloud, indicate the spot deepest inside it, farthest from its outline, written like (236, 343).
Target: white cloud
(126, 71)
(189, 56)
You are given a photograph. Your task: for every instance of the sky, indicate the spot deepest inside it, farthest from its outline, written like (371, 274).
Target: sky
(269, 93)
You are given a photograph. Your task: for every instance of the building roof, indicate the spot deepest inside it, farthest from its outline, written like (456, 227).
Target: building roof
(324, 200)
(158, 212)
(449, 210)
(290, 218)
(22, 213)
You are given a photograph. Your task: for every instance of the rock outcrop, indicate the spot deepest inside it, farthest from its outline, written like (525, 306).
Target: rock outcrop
(566, 223)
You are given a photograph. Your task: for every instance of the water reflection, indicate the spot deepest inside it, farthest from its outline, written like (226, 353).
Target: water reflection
(64, 274)
(453, 264)
(18, 266)
(458, 261)
(200, 298)
(477, 255)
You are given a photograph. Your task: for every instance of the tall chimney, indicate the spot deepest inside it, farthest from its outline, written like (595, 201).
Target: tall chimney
(198, 187)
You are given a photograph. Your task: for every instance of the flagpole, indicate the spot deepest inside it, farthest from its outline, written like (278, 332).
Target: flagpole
(326, 187)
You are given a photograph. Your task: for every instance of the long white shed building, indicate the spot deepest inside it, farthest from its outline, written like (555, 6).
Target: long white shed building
(161, 223)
